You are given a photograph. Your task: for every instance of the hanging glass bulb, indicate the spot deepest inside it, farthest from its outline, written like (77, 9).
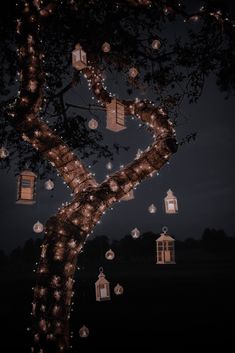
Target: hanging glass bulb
(106, 47)
(49, 185)
(110, 255)
(156, 44)
(109, 165)
(3, 153)
(118, 289)
(84, 332)
(93, 124)
(133, 72)
(135, 233)
(152, 208)
(38, 227)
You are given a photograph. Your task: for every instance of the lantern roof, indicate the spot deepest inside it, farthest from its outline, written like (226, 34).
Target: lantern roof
(165, 237)
(101, 279)
(170, 193)
(28, 172)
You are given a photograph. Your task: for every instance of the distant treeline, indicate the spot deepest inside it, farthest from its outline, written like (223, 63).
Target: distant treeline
(129, 249)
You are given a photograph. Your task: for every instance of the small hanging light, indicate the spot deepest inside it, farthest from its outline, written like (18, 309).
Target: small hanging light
(152, 208)
(4, 153)
(49, 185)
(171, 203)
(102, 289)
(156, 44)
(133, 72)
(106, 47)
(84, 332)
(118, 289)
(93, 124)
(38, 227)
(109, 165)
(135, 233)
(110, 255)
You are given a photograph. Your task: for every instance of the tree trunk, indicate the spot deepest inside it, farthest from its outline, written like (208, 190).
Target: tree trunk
(54, 286)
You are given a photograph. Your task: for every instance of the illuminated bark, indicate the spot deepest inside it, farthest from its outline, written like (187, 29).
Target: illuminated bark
(66, 232)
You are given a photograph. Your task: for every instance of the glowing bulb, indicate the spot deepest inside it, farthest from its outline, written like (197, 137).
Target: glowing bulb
(38, 227)
(93, 124)
(135, 233)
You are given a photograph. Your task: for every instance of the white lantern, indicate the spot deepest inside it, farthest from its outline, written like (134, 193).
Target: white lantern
(115, 116)
(171, 203)
(152, 208)
(93, 124)
(38, 227)
(102, 289)
(106, 47)
(109, 255)
(79, 58)
(49, 185)
(109, 165)
(156, 44)
(135, 233)
(133, 72)
(118, 289)
(165, 248)
(3, 153)
(84, 332)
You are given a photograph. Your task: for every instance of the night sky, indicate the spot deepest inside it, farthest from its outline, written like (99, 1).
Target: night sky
(201, 174)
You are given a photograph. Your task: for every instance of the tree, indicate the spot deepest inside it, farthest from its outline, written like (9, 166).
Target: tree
(46, 34)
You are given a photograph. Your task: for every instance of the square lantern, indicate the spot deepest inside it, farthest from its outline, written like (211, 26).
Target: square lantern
(26, 186)
(129, 196)
(171, 203)
(79, 58)
(102, 289)
(115, 116)
(165, 249)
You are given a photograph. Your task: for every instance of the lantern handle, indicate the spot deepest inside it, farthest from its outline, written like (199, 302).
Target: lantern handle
(164, 229)
(101, 270)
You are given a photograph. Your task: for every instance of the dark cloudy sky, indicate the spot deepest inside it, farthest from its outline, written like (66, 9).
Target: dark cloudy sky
(201, 174)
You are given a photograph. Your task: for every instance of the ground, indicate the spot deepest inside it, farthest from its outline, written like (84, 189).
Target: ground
(187, 307)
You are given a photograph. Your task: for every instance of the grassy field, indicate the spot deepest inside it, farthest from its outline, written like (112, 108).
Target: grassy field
(181, 308)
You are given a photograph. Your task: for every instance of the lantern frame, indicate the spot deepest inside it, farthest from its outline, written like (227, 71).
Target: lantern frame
(115, 120)
(79, 58)
(171, 203)
(165, 247)
(102, 287)
(26, 188)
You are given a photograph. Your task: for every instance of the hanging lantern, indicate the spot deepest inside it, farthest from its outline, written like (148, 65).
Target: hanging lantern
(133, 72)
(3, 153)
(115, 116)
(79, 58)
(26, 185)
(109, 255)
(152, 208)
(129, 196)
(165, 248)
(135, 233)
(49, 185)
(84, 332)
(109, 165)
(156, 44)
(171, 203)
(38, 227)
(118, 289)
(93, 124)
(106, 47)
(102, 289)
